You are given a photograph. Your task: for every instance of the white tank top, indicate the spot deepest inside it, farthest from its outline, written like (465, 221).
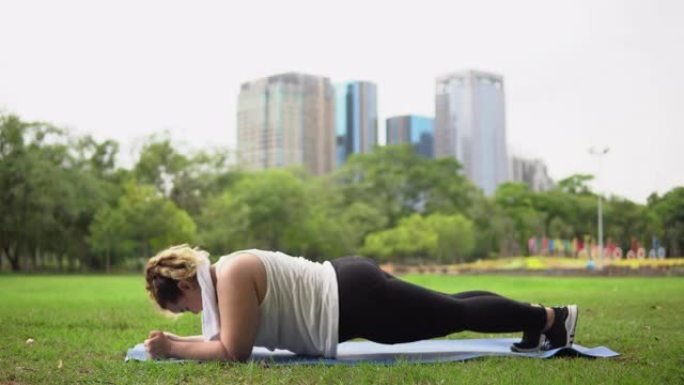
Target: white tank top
(300, 309)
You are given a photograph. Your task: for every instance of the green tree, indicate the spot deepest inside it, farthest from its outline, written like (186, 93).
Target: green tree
(484, 213)
(575, 184)
(516, 201)
(669, 210)
(411, 238)
(399, 182)
(335, 228)
(159, 163)
(90, 183)
(107, 236)
(206, 174)
(188, 178)
(270, 211)
(437, 236)
(624, 220)
(455, 237)
(224, 224)
(143, 221)
(34, 195)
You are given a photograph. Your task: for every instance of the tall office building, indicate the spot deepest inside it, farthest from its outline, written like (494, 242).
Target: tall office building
(285, 120)
(417, 130)
(532, 172)
(356, 119)
(470, 125)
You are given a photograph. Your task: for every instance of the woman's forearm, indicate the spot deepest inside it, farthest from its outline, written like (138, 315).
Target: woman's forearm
(184, 338)
(202, 350)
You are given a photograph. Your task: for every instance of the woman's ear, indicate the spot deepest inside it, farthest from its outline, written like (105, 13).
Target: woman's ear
(184, 285)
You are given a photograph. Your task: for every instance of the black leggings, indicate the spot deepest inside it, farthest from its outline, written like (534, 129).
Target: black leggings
(380, 307)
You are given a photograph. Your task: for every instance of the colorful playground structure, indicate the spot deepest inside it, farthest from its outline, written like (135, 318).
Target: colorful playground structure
(587, 248)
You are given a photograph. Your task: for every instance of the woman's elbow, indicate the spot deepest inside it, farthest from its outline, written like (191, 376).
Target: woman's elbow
(236, 355)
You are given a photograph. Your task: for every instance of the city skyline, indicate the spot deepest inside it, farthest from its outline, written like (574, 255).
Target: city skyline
(470, 125)
(279, 115)
(414, 129)
(577, 75)
(356, 119)
(287, 119)
(532, 172)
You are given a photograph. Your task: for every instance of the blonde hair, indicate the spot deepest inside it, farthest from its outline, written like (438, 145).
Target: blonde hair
(164, 270)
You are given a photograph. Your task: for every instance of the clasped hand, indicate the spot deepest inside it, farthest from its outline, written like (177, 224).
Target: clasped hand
(158, 344)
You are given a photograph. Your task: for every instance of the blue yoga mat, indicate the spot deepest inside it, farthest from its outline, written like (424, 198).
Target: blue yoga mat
(353, 352)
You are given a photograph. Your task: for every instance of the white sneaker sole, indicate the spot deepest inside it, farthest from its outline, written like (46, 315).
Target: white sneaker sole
(571, 324)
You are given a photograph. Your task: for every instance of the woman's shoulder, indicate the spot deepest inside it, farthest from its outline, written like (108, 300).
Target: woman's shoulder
(237, 253)
(244, 266)
(240, 262)
(232, 255)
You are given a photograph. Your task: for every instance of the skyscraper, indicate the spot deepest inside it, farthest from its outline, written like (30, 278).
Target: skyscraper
(287, 119)
(470, 125)
(356, 119)
(414, 129)
(532, 172)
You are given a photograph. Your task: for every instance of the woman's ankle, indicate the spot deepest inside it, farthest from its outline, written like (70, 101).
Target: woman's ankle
(550, 317)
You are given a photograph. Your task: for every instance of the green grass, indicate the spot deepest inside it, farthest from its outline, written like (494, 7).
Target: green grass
(88, 322)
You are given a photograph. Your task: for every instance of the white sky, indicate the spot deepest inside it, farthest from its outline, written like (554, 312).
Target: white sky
(577, 73)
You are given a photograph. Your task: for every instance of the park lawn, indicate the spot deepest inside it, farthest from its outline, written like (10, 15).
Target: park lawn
(86, 323)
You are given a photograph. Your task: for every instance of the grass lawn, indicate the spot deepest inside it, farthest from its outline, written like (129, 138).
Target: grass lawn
(82, 326)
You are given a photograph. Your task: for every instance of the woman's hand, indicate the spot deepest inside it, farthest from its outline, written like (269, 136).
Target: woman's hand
(172, 336)
(158, 344)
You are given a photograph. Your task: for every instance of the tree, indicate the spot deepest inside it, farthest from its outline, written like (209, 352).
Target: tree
(399, 182)
(267, 209)
(437, 236)
(455, 237)
(142, 221)
(107, 236)
(63, 198)
(411, 238)
(334, 227)
(575, 184)
(188, 178)
(624, 220)
(159, 163)
(206, 174)
(224, 224)
(669, 210)
(91, 182)
(516, 200)
(32, 188)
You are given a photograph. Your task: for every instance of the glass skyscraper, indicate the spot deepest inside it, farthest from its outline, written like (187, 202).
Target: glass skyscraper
(470, 125)
(356, 119)
(414, 129)
(285, 120)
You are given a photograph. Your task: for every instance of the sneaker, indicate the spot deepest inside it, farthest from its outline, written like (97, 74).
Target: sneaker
(532, 341)
(562, 333)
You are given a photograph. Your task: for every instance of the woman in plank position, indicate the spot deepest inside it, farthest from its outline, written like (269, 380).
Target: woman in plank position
(270, 299)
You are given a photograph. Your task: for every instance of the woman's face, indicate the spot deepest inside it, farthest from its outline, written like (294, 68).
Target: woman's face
(190, 299)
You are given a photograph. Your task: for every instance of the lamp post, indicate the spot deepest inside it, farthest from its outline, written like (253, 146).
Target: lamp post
(599, 153)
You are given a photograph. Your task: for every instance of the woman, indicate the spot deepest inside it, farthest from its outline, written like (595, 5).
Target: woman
(264, 298)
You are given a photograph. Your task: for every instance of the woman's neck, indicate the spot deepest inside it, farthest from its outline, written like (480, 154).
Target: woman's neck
(212, 272)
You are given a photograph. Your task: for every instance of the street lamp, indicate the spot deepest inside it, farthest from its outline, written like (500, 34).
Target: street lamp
(599, 153)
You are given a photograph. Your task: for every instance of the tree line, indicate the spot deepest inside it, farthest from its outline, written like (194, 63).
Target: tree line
(66, 205)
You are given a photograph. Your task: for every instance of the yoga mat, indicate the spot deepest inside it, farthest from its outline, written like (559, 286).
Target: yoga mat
(353, 352)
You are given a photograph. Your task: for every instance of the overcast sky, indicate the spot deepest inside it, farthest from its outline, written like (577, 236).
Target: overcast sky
(577, 73)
